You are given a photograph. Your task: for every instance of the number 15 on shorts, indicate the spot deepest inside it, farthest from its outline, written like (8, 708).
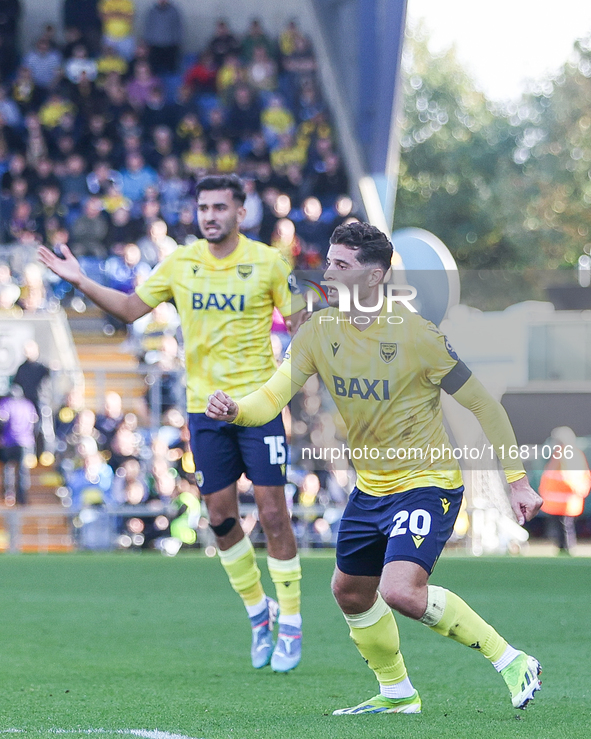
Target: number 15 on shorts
(276, 446)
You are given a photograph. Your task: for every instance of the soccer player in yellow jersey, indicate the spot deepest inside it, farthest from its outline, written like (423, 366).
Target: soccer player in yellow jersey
(225, 288)
(385, 367)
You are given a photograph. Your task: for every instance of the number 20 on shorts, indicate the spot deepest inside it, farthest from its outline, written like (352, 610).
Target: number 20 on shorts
(419, 523)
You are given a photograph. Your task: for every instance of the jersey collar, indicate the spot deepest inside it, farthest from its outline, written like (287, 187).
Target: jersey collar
(233, 259)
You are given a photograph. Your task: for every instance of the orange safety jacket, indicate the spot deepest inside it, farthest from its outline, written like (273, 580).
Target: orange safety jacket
(564, 485)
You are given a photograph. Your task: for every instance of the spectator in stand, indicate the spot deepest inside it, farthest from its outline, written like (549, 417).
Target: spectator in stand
(79, 66)
(91, 485)
(330, 183)
(107, 422)
(117, 21)
(45, 64)
(230, 74)
(49, 213)
(10, 12)
(83, 16)
(188, 129)
(25, 92)
(225, 160)
(162, 146)
(244, 115)
(254, 210)
(156, 244)
(66, 416)
(173, 189)
(17, 169)
(73, 183)
(9, 290)
(284, 238)
(125, 444)
(17, 444)
(186, 230)
(33, 298)
(9, 110)
(163, 34)
(36, 143)
(31, 374)
(157, 112)
(136, 177)
(110, 61)
(276, 120)
(261, 72)
(196, 160)
(294, 184)
(122, 230)
(222, 43)
(89, 231)
(314, 229)
(289, 150)
(125, 273)
(256, 37)
(140, 85)
(201, 76)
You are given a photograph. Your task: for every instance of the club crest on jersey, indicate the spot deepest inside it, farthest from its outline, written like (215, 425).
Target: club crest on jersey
(199, 479)
(388, 351)
(244, 271)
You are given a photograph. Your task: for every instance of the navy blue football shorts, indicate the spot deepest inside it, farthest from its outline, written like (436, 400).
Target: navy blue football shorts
(222, 452)
(412, 527)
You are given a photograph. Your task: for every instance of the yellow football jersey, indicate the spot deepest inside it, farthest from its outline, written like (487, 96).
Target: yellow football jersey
(385, 383)
(225, 306)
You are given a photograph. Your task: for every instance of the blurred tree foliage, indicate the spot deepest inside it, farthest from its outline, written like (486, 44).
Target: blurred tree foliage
(503, 187)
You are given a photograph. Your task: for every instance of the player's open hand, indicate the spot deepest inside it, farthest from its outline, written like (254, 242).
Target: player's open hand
(67, 268)
(221, 407)
(525, 502)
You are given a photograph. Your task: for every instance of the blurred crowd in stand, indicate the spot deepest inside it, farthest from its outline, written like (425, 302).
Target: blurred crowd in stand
(105, 129)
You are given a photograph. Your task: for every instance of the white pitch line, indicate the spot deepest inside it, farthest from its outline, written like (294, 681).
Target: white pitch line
(142, 733)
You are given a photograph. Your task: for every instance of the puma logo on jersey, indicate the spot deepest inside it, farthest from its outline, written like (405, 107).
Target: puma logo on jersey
(445, 504)
(218, 301)
(364, 389)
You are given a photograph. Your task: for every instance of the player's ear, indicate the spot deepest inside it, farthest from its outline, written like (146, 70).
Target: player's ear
(240, 214)
(376, 277)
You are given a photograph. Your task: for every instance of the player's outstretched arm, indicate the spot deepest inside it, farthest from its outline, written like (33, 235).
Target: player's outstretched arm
(495, 423)
(126, 308)
(258, 408)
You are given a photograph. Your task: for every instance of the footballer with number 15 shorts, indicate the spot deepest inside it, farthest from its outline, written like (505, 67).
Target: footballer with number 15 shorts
(225, 288)
(385, 367)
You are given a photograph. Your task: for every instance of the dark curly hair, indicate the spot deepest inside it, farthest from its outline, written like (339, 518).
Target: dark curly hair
(372, 246)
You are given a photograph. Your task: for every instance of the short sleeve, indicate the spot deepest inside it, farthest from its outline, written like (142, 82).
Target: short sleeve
(157, 288)
(437, 355)
(298, 361)
(286, 297)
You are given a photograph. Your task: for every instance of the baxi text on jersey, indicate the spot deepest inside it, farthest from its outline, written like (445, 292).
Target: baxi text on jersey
(360, 387)
(218, 301)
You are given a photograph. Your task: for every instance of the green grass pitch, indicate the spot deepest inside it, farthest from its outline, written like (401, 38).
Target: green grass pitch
(122, 642)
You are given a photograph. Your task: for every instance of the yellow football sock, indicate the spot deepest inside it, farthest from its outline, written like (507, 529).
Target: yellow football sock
(375, 634)
(286, 575)
(245, 577)
(450, 616)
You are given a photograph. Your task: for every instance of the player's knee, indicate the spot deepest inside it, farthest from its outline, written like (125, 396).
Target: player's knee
(273, 520)
(349, 599)
(224, 527)
(406, 600)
